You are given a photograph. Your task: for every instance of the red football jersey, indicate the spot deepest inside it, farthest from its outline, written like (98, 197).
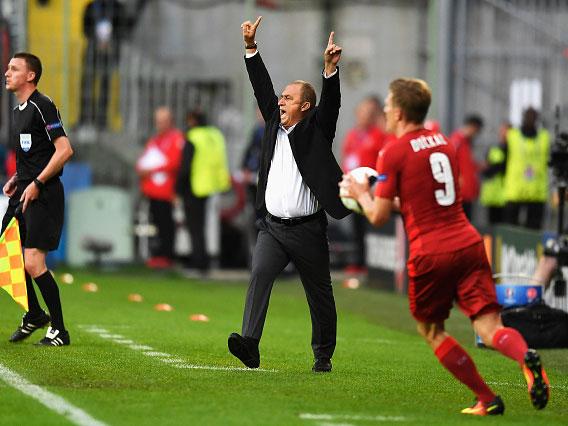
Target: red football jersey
(421, 169)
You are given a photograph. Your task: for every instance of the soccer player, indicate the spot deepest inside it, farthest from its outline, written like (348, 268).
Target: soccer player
(447, 261)
(42, 148)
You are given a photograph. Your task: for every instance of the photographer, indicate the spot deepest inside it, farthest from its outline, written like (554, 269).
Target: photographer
(555, 257)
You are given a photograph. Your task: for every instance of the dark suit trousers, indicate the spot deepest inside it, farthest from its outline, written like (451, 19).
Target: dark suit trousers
(161, 214)
(307, 247)
(195, 208)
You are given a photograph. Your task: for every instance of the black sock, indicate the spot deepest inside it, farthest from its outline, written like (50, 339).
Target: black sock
(34, 309)
(50, 293)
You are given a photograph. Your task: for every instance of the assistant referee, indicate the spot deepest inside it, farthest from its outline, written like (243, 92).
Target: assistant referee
(42, 148)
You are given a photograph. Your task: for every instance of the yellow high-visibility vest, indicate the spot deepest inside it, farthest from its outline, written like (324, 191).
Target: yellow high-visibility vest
(526, 174)
(493, 189)
(209, 169)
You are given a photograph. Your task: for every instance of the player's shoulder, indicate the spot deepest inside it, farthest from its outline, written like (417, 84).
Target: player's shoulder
(41, 101)
(395, 147)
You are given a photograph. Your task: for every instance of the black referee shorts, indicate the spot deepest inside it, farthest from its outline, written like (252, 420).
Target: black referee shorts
(42, 221)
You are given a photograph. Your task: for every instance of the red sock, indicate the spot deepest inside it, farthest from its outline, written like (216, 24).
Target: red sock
(510, 343)
(457, 361)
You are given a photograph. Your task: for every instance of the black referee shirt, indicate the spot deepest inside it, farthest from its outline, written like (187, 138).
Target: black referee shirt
(37, 124)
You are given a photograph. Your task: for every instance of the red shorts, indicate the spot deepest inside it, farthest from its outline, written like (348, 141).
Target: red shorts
(437, 281)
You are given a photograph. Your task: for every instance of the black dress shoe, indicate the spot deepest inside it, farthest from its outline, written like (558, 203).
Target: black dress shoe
(322, 365)
(245, 349)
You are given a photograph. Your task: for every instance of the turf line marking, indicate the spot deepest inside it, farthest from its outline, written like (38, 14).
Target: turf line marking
(524, 385)
(172, 360)
(53, 402)
(166, 358)
(123, 341)
(136, 347)
(333, 417)
(209, 367)
(157, 354)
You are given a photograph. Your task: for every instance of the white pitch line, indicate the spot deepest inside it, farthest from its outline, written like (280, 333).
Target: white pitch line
(110, 336)
(156, 354)
(163, 357)
(53, 402)
(334, 417)
(93, 328)
(144, 348)
(172, 360)
(124, 341)
(335, 424)
(210, 367)
(524, 385)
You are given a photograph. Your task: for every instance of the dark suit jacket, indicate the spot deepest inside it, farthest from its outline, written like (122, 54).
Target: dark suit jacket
(310, 140)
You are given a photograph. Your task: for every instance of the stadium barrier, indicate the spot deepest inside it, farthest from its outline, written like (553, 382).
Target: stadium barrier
(98, 217)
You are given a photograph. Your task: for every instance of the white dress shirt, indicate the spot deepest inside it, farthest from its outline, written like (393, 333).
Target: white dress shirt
(287, 195)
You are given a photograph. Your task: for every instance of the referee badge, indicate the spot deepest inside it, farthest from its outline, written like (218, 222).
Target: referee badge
(25, 141)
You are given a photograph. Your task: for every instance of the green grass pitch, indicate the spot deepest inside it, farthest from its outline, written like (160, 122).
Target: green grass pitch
(129, 364)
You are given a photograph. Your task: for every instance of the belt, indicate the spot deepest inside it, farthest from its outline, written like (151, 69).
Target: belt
(291, 221)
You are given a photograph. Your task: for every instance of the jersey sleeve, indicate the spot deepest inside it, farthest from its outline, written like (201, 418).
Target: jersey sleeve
(52, 120)
(388, 164)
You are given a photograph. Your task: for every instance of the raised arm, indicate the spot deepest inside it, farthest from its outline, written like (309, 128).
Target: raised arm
(331, 55)
(258, 75)
(330, 100)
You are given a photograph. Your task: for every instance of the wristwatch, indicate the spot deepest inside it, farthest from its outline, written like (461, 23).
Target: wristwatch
(250, 46)
(39, 184)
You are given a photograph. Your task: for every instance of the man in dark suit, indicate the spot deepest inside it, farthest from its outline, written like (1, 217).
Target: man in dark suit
(297, 184)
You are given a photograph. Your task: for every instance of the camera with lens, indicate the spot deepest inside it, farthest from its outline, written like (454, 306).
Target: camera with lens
(558, 248)
(559, 158)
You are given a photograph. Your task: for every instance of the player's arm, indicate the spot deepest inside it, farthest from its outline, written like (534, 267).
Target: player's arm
(63, 152)
(377, 209)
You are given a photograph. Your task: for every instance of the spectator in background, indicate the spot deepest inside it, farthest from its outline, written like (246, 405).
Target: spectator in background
(526, 172)
(432, 125)
(361, 147)
(492, 189)
(105, 26)
(462, 139)
(158, 167)
(251, 162)
(204, 171)
(10, 162)
(249, 169)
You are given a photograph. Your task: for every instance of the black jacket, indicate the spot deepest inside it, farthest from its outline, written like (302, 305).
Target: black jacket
(310, 140)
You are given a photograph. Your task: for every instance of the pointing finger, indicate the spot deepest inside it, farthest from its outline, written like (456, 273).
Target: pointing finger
(330, 41)
(257, 22)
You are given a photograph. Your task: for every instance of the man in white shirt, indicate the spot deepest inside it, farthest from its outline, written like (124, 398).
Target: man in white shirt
(296, 181)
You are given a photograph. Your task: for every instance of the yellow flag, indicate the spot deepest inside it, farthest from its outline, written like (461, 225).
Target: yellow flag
(12, 273)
